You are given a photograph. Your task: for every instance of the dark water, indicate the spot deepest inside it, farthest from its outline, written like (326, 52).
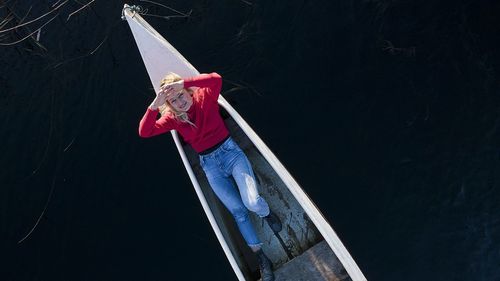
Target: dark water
(387, 113)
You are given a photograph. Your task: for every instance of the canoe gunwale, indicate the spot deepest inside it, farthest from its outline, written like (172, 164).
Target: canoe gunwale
(310, 209)
(206, 207)
(302, 198)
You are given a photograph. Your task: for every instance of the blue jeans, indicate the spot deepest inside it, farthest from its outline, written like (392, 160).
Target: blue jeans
(219, 165)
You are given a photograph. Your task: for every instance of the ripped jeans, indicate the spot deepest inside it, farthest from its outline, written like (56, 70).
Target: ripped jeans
(219, 165)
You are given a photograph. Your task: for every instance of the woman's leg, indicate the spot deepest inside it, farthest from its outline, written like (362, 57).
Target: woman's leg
(232, 161)
(225, 190)
(247, 185)
(245, 179)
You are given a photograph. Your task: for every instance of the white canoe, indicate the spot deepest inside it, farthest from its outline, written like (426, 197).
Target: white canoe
(307, 248)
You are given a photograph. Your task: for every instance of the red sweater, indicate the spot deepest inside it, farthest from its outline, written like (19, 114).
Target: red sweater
(204, 113)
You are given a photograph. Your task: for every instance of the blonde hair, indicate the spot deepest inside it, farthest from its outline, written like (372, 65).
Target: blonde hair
(166, 107)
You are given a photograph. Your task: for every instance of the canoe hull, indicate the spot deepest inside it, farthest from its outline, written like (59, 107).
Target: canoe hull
(305, 229)
(299, 232)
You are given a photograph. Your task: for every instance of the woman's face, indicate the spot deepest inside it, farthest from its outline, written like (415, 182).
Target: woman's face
(180, 101)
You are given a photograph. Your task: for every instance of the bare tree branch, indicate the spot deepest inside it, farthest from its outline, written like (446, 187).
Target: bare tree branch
(165, 17)
(85, 6)
(102, 42)
(10, 16)
(171, 9)
(25, 16)
(53, 5)
(6, 20)
(26, 37)
(40, 17)
(5, 4)
(246, 2)
(82, 56)
(44, 208)
(79, 2)
(51, 130)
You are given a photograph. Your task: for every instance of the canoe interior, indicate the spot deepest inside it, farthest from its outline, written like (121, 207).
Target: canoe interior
(298, 235)
(299, 244)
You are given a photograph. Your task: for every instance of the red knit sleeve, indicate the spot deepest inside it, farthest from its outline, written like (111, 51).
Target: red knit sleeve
(211, 82)
(149, 126)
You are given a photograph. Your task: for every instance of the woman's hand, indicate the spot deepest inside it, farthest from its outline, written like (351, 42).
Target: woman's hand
(172, 88)
(160, 99)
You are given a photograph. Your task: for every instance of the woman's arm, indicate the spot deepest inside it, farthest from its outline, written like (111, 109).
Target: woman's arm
(149, 126)
(212, 81)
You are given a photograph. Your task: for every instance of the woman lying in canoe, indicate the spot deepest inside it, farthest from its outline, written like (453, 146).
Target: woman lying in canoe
(195, 115)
